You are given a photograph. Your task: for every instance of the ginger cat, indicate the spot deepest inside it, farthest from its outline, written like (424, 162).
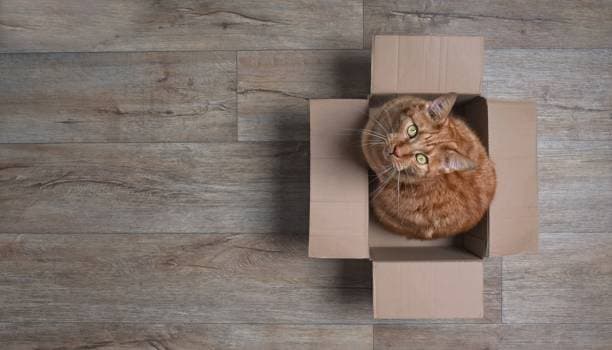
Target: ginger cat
(434, 176)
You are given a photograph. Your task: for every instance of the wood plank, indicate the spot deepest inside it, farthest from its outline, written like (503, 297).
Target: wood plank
(118, 97)
(492, 292)
(571, 89)
(139, 25)
(149, 188)
(575, 186)
(436, 337)
(557, 337)
(183, 336)
(574, 127)
(502, 337)
(170, 278)
(214, 278)
(568, 281)
(274, 88)
(525, 24)
(569, 86)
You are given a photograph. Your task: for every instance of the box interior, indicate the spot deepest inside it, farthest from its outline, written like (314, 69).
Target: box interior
(466, 246)
(340, 225)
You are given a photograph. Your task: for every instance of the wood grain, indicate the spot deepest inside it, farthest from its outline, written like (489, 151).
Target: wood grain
(492, 291)
(493, 337)
(575, 186)
(131, 219)
(568, 281)
(116, 25)
(214, 278)
(118, 97)
(436, 337)
(571, 89)
(569, 86)
(46, 336)
(155, 278)
(274, 88)
(572, 92)
(516, 24)
(557, 337)
(149, 188)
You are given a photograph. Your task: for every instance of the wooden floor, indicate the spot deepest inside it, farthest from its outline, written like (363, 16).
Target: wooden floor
(154, 173)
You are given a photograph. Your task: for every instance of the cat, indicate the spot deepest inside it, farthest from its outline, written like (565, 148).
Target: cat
(434, 176)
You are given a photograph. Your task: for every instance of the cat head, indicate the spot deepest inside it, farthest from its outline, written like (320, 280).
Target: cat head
(414, 139)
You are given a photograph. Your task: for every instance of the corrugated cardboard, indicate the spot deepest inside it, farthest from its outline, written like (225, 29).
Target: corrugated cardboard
(428, 289)
(513, 223)
(338, 180)
(426, 64)
(422, 279)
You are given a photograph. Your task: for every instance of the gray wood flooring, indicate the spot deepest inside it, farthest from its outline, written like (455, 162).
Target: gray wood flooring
(154, 173)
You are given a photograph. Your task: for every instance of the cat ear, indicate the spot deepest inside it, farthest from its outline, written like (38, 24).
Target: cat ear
(439, 108)
(453, 161)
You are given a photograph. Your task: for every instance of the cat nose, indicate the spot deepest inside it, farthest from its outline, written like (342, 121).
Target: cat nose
(396, 151)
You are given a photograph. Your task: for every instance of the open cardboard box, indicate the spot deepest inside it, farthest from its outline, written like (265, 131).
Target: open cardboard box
(422, 279)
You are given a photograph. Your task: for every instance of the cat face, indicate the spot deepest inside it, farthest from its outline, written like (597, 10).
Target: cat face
(414, 139)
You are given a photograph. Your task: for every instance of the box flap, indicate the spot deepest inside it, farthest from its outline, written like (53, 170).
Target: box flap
(338, 180)
(428, 289)
(427, 64)
(513, 215)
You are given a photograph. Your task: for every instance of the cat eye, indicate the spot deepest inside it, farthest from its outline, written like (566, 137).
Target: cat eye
(412, 130)
(421, 158)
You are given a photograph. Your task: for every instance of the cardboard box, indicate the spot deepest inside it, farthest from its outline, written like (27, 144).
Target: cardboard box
(411, 278)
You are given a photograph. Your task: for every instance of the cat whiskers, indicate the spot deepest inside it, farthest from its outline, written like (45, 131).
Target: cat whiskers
(382, 186)
(385, 171)
(374, 134)
(367, 115)
(389, 123)
(371, 133)
(399, 173)
(389, 118)
(382, 126)
(374, 144)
